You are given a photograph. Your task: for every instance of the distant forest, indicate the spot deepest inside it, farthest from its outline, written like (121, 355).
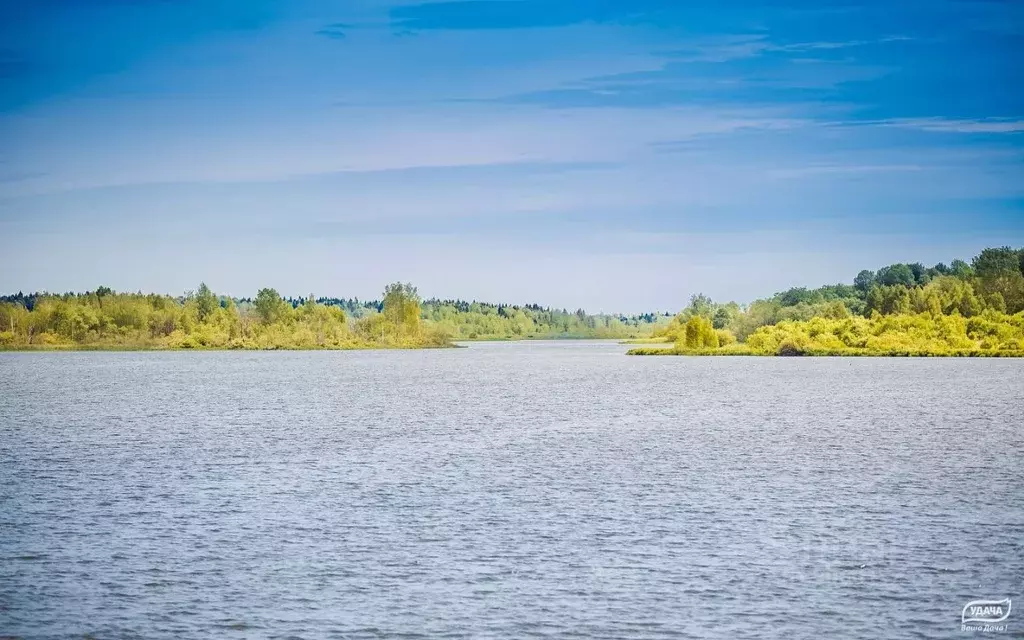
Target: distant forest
(963, 308)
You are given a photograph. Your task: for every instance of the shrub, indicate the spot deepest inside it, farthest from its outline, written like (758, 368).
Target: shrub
(699, 333)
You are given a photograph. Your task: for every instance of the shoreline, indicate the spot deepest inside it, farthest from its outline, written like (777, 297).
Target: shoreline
(829, 353)
(454, 344)
(115, 348)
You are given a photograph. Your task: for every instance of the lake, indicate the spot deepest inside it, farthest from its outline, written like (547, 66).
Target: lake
(506, 490)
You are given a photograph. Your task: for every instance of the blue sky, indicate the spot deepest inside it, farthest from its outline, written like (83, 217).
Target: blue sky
(617, 155)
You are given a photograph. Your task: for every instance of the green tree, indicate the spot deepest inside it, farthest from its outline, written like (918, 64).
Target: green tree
(896, 274)
(897, 300)
(402, 307)
(206, 302)
(960, 269)
(268, 305)
(921, 275)
(864, 281)
(875, 300)
(836, 310)
(701, 305)
(722, 318)
(998, 272)
(13, 317)
(996, 262)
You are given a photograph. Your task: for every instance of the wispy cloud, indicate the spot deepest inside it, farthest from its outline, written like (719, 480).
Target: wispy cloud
(832, 45)
(732, 47)
(953, 125)
(726, 69)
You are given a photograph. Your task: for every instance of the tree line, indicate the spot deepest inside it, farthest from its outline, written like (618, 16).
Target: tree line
(202, 319)
(963, 308)
(960, 307)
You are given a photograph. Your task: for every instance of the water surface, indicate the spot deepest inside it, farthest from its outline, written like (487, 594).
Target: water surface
(506, 490)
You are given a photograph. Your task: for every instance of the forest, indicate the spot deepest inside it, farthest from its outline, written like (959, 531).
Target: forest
(960, 309)
(974, 308)
(201, 319)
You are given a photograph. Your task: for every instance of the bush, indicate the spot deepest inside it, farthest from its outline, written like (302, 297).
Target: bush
(179, 340)
(907, 333)
(699, 333)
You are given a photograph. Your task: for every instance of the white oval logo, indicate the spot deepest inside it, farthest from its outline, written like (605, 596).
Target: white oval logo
(988, 611)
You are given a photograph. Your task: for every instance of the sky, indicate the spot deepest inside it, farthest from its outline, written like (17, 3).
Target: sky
(615, 155)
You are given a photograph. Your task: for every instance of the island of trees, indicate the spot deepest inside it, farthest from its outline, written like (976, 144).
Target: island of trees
(960, 309)
(201, 319)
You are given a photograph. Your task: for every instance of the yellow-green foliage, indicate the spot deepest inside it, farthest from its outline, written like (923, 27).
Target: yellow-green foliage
(105, 319)
(902, 309)
(698, 333)
(725, 337)
(991, 333)
(912, 334)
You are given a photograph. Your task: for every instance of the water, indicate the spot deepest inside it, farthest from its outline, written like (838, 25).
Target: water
(507, 491)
